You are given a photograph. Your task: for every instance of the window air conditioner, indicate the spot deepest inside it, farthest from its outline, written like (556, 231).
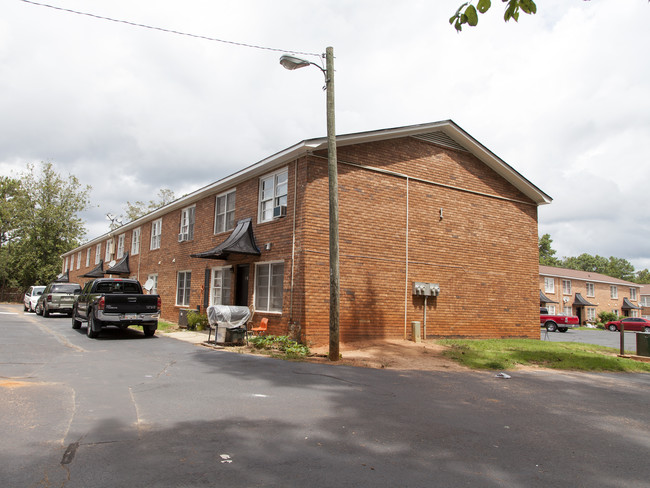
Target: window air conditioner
(182, 237)
(279, 211)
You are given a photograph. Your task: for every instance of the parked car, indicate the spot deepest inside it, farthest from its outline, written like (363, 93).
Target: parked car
(57, 298)
(31, 297)
(558, 322)
(637, 324)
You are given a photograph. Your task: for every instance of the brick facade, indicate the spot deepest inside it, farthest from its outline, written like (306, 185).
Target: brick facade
(604, 293)
(410, 210)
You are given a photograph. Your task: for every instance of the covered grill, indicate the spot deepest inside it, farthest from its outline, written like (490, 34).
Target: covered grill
(229, 321)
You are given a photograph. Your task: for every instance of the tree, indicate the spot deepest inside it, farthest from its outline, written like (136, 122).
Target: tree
(9, 192)
(546, 252)
(642, 277)
(48, 224)
(139, 208)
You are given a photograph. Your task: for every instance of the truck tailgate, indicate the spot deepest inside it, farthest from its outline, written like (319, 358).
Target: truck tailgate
(122, 303)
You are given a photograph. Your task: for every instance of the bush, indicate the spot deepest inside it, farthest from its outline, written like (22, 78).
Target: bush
(197, 321)
(290, 348)
(605, 316)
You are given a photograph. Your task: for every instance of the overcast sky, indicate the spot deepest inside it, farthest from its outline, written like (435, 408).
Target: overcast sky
(563, 96)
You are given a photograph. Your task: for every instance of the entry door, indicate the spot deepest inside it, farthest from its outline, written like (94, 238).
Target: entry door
(241, 295)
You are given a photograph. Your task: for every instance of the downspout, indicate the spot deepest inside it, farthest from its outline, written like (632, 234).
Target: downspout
(406, 266)
(293, 239)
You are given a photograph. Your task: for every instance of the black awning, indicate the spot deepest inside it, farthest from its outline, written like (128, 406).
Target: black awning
(63, 277)
(627, 305)
(241, 241)
(121, 268)
(544, 299)
(96, 272)
(581, 302)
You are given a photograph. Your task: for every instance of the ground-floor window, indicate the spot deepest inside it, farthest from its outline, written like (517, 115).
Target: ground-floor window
(154, 284)
(551, 309)
(269, 279)
(635, 313)
(220, 286)
(568, 310)
(591, 314)
(183, 288)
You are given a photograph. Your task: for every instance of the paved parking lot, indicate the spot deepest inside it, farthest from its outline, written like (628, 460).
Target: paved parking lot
(597, 337)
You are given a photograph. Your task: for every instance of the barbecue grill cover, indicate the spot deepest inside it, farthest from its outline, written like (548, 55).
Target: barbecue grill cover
(228, 316)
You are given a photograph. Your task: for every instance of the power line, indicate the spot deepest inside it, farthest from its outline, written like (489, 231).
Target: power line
(170, 31)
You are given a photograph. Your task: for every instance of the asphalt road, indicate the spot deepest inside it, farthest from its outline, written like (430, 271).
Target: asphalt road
(126, 411)
(596, 336)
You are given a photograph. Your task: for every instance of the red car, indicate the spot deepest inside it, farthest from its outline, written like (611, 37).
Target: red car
(630, 323)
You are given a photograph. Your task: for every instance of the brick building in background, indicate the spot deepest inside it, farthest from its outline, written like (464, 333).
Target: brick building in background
(424, 203)
(586, 294)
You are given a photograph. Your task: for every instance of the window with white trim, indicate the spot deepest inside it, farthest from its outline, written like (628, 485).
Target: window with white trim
(633, 294)
(549, 285)
(109, 250)
(135, 242)
(98, 253)
(613, 291)
(156, 233)
(591, 290)
(591, 314)
(269, 285)
(71, 261)
(187, 224)
(79, 260)
(120, 246)
(220, 286)
(273, 193)
(154, 279)
(224, 219)
(88, 252)
(566, 287)
(551, 309)
(183, 283)
(567, 310)
(645, 301)
(635, 313)
(65, 266)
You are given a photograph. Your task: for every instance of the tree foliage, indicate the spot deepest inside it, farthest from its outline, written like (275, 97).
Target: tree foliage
(139, 208)
(546, 252)
(467, 13)
(45, 224)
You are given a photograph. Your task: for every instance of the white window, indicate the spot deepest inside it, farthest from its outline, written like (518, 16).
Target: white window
(220, 286)
(98, 253)
(591, 314)
(645, 301)
(109, 250)
(615, 312)
(120, 246)
(633, 294)
(613, 291)
(88, 251)
(567, 310)
(187, 224)
(135, 242)
(224, 219)
(183, 288)
(269, 283)
(635, 313)
(156, 233)
(566, 287)
(551, 309)
(154, 279)
(71, 261)
(79, 260)
(591, 290)
(65, 266)
(549, 285)
(273, 193)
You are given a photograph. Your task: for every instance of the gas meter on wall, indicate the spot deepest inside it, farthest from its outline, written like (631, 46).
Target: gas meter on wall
(426, 289)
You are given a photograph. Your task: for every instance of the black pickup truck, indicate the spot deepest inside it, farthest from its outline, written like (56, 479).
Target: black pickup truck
(115, 302)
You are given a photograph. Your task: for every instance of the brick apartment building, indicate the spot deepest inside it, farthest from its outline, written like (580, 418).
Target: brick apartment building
(645, 301)
(423, 203)
(585, 294)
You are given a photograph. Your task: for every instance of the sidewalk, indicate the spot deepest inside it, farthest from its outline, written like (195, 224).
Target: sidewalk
(193, 336)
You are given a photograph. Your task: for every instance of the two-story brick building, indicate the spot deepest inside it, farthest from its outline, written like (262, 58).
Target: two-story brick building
(585, 294)
(645, 301)
(423, 203)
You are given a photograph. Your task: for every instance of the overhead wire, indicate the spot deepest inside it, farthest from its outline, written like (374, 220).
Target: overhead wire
(171, 31)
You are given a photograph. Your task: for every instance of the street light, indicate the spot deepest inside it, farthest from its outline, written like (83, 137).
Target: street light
(291, 63)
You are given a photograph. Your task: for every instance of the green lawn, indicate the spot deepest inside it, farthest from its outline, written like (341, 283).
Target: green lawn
(509, 353)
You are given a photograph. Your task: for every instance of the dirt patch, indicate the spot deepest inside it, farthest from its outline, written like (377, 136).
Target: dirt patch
(391, 354)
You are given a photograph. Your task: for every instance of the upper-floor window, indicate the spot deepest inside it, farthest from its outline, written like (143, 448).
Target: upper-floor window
(71, 261)
(273, 193)
(269, 279)
(220, 286)
(187, 224)
(549, 285)
(109, 250)
(135, 242)
(65, 266)
(98, 253)
(566, 287)
(633, 294)
(79, 260)
(88, 251)
(591, 290)
(156, 233)
(120, 246)
(613, 291)
(224, 219)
